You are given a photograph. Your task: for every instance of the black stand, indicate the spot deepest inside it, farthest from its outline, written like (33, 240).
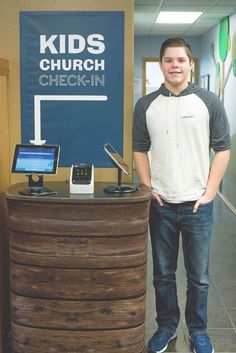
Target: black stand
(120, 188)
(36, 187)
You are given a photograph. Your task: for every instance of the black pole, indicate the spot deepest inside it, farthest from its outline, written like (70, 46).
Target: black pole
(119, 177)
(119, 188)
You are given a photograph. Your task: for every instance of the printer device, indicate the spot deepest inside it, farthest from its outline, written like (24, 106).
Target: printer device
(82, 179)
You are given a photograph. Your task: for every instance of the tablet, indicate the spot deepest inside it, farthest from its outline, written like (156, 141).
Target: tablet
(116, 158)
(35, 159)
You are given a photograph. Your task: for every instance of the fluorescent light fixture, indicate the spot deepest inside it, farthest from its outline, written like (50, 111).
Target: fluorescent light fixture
(177, 17)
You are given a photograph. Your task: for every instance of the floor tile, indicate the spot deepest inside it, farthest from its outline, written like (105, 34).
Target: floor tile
(225, 281)
(231, 238)
(222, 269)
(214, 299)
(218, 318)
(224, 340)
(228, 297)
(232, 316)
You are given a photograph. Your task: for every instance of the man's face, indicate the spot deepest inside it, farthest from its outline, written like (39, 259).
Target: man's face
(176, 66)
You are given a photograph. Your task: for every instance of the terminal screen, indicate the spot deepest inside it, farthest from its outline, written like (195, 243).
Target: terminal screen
(35, 159)
(116, 158)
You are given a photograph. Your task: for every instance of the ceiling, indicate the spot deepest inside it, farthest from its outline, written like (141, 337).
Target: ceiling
(146, 11)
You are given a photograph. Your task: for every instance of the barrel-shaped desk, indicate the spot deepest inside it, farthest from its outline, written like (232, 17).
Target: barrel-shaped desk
(77, 271)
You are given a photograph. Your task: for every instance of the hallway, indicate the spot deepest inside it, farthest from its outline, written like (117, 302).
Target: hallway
(222, 293)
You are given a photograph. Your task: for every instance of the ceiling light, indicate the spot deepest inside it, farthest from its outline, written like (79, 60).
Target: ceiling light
(177, 17)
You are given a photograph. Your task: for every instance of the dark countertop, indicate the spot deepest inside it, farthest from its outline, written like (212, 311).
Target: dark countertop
(63, 194)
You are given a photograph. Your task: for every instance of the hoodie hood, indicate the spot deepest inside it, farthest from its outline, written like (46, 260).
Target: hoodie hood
(191, 88)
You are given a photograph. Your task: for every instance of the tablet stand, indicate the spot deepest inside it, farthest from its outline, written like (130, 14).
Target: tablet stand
(120, 188)
(35, 187)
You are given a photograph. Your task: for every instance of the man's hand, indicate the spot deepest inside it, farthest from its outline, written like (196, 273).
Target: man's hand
(203, 200)
(218, 167)
(155, 196)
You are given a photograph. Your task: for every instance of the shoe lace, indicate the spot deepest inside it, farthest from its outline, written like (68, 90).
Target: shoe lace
(201, 338)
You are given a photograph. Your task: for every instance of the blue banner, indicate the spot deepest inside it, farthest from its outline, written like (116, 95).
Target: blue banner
(72, 81)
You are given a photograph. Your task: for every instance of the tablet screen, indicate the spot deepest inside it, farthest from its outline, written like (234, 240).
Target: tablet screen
(35, 159)
(116, 158)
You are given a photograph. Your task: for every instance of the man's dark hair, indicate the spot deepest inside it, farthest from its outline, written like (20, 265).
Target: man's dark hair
(175, 42)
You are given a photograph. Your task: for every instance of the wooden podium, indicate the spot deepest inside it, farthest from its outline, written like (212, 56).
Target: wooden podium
(77, 271)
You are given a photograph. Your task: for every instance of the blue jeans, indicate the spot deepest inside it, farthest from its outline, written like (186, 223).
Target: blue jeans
(166, 224)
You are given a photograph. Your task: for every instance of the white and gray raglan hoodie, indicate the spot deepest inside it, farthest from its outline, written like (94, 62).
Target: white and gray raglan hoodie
(179, 131)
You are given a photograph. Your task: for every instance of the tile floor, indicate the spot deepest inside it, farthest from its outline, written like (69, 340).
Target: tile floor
(222, 292)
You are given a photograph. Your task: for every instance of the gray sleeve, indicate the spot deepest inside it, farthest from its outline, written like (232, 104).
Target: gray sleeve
(219, 125)
(141, 138)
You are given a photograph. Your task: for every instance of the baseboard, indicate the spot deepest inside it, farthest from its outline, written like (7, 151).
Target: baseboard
(227, 203)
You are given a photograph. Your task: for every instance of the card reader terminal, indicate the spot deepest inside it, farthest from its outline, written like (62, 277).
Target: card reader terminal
(82, 179)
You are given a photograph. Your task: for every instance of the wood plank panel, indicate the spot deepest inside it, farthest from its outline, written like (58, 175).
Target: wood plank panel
(77, 315)
(85, 220)
(33, 340)
(84, 284)
(78, 252)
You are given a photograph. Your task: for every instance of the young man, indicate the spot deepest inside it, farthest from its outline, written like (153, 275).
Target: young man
(179, 123)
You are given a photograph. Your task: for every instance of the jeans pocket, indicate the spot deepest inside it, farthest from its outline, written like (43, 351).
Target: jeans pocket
(206, 204)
